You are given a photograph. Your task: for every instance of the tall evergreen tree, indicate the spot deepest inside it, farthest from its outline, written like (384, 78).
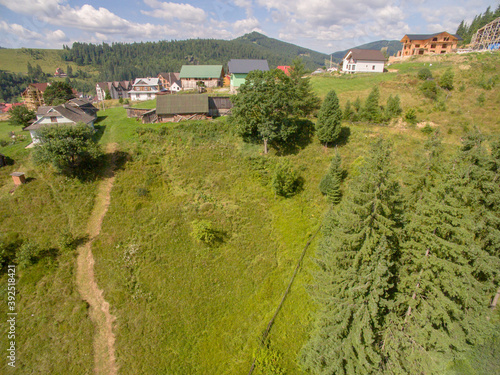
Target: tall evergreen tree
(329, 121)
(306, 101)
(443, 287)
(355, 281)
(330, 184)
(371, 111)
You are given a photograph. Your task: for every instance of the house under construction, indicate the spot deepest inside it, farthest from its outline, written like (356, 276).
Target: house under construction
(487, 37)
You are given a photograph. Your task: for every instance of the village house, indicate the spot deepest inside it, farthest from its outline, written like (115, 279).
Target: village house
(116, 89)
(424, 44)
(285, 68)
(363, 60)
(239, 69)
(209, 75)
(60, 73)
(33, 95)
(145, 88)
(170, 81)
(69, 113)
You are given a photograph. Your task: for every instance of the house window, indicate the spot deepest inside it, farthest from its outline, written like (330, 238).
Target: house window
(443, 51)
(433, 46)
(353, 67)
(53, 119)
(417, 45)
(434, 39)
(444, 45)
(149, 96)
(373, 67)
(446, 39)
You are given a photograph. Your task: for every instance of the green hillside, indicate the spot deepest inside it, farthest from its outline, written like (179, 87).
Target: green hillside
(287, 50)
(181, 306)
(393, 46)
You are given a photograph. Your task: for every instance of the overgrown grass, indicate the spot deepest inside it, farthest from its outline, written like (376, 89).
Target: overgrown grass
(188, 308)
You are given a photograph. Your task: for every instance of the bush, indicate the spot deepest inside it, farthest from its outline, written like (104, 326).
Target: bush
(120, 100)
(440, 106)
(27, 254)
(411, 116)
(393, 108)
(424, 74)
(286, 181)
(203, 231)
(429, 89)
(427, 129)
(446, 80)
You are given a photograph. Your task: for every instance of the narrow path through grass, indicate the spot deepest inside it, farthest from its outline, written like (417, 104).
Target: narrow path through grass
(104, 339)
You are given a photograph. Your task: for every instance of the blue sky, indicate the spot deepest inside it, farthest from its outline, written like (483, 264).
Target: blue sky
(322, 25)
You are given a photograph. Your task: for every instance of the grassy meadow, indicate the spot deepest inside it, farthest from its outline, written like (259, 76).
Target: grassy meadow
(183, 307)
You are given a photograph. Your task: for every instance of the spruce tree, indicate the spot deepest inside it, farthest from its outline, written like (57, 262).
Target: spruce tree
(355, 281)
(393, 108)
(330, 184)
(443, 287)
(348, 112)
(371, 111)
(329, 124)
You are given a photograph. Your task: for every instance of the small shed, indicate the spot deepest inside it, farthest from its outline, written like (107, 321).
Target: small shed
(175, 108)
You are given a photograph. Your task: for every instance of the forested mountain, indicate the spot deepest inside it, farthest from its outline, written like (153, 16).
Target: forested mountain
(120, 61)
(393, 46)
(467, 31)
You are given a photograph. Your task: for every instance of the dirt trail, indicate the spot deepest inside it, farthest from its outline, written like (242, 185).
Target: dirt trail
(104, 339)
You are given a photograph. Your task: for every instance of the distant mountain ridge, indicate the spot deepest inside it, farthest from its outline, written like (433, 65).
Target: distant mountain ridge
(287, 50)
(393, 46)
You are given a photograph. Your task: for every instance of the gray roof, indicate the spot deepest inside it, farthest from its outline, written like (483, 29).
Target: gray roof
(428, 36)
(72, 113)
(181, 104)
(247, 65)
(366, 54)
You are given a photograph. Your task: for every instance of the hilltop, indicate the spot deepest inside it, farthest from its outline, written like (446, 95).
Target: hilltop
(393, 46)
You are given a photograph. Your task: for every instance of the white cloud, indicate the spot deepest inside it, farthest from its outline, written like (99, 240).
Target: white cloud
(247, 25)
(170, 11)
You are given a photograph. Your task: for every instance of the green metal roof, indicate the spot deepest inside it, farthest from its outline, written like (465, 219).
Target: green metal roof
(201, 71)
(181, 104)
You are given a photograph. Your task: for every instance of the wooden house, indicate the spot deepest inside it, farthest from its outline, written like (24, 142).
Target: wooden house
(170, 81)
(116, 89)
(210, 75)
(363, 60)
(145, 88)
(33, 95)
(239, 69)
(424, 44)
(175, 108)
(69, 113)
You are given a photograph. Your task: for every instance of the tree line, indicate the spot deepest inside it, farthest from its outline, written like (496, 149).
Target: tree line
(407, 268)
(466, 31)
(126, 61)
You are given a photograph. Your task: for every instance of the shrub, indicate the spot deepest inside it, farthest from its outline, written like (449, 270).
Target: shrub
(27, 254)
(429, 89)
(393, 108)
(411, 116)
(424, 74)
(427, 129)
(203, 231)
(120, 100)
(286, 181)
(371, 111)
(440, 106)
(446, 80)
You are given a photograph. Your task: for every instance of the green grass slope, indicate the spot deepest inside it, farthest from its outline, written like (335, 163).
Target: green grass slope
(183, 307)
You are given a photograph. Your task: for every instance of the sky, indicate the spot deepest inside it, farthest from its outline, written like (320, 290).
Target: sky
(321, 25)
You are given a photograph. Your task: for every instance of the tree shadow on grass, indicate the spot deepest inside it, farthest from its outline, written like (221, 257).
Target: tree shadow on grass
(345, 133)
(300, 140)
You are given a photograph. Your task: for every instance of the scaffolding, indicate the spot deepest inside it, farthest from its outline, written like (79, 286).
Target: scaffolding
(487, 37)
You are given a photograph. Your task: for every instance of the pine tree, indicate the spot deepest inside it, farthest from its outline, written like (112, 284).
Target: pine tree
(371, 111)
(355, 281)
(329, 125)
(330, 184)
(443, 288)
(348, 111)
(393, 108)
